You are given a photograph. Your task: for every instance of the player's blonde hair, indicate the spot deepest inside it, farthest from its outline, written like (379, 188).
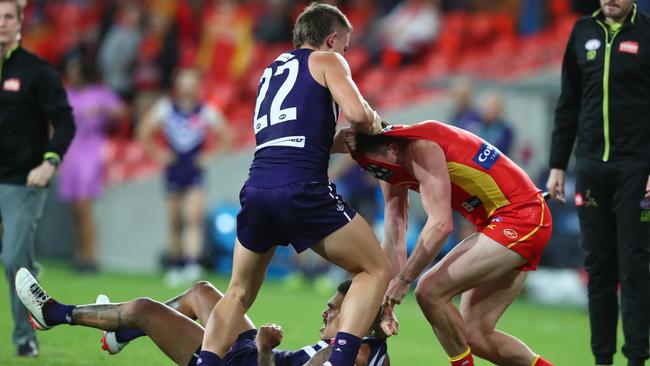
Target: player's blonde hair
(20, 6)
(317, 22)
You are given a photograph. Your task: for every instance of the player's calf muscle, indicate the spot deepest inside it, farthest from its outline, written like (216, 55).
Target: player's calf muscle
(107, 317)
(133, 314)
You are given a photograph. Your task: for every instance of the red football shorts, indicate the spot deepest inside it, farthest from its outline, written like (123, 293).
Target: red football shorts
(524, 227)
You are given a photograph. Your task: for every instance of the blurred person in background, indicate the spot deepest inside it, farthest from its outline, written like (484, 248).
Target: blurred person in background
(33, 103)
(226, 45)
(274, 25)
(119, 50)
(408, 28)
(186, 120)
(81, 179)
(465, 115)
(493, 128)
(603, 109)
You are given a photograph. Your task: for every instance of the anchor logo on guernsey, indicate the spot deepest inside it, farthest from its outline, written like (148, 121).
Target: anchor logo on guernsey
(486, 156)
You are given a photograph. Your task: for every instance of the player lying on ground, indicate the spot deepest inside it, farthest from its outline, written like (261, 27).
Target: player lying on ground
(454, 169)
(163, 323)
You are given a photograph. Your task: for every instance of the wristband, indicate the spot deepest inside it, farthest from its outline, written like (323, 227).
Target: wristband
(52, 158)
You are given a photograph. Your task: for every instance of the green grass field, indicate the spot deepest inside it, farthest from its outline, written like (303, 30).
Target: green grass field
(561, 335)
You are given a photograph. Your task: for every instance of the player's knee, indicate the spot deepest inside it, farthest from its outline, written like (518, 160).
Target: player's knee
(142, 305)
(379, 267)
(202, 286)
(427, 295)
(205, 288)
(424, 296)
(195, 217)
(384, 271)
(242, 297)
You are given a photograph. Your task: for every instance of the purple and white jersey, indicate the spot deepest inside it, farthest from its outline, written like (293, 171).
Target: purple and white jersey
(378, 353)
(244, 352)
(294, 124)
(185, 132)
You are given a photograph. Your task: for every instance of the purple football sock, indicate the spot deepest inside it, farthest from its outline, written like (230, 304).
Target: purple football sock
(127, 335)
(344, 349)
(55, 313)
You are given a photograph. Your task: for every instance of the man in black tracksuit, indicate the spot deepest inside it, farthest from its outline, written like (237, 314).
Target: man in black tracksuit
(605, 108)
(31, 100)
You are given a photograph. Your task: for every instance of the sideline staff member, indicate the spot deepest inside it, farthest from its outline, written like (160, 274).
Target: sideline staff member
(605, 103)
(31, 97)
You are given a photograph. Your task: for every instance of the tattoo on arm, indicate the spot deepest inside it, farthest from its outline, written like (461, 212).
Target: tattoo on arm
(265, 358)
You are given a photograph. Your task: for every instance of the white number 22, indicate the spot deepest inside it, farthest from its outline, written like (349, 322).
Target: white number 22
(276, 114)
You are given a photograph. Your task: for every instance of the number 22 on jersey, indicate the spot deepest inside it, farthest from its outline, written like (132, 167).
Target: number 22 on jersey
(276, 114)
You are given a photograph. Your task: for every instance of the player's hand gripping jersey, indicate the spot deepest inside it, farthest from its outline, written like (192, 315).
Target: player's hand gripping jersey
(487, 188)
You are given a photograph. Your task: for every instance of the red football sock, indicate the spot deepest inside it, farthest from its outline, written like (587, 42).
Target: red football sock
(540, 361)
(464, 359)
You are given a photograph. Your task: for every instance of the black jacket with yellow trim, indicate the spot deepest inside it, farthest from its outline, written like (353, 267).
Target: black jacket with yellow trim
(604, 106)
(31, 99)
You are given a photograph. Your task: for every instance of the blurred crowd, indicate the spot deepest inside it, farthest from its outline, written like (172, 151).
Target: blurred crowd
(135, 46)
(124, 55)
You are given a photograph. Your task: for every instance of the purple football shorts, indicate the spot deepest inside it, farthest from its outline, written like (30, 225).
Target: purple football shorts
(300, 214)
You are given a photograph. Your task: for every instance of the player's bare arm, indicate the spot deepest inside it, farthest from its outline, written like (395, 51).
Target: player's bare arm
(396, 217)
(394, 245)
(332, 71)
(268, 337)
(425, 160)
(145, 133)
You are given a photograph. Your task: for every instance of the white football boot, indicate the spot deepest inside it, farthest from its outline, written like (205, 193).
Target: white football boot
(33, 297)
(109, 342)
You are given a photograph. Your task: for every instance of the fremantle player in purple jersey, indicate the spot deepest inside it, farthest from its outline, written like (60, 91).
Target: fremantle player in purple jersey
(185, 121)
(287, 198)
(172, 327)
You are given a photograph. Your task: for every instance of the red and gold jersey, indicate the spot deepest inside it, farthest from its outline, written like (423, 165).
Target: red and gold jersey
(482, 178)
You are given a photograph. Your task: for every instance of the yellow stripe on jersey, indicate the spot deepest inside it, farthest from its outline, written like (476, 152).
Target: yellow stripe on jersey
(541, 222)
(479, 184)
